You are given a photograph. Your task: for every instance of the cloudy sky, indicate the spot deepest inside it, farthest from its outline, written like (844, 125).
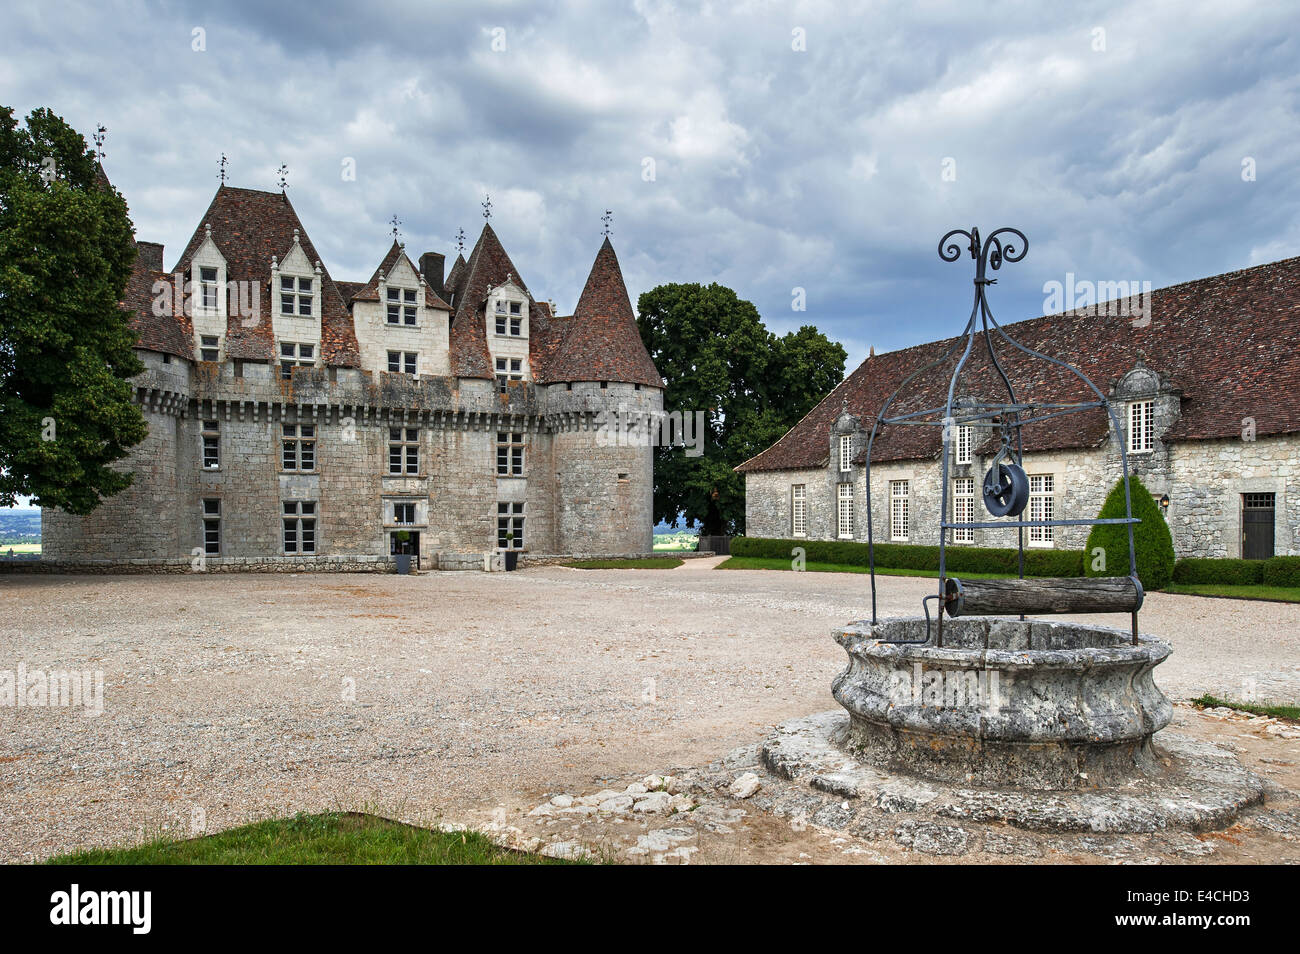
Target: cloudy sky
(767, 146)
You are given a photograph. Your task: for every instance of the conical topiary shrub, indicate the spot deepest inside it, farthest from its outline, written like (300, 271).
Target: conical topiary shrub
(1153, 544)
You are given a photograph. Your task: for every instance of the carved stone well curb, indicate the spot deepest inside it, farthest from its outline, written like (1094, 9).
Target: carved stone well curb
(1028, 704)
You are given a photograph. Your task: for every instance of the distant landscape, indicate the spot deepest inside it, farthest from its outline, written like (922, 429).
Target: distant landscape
(669, 537)
(20, 530)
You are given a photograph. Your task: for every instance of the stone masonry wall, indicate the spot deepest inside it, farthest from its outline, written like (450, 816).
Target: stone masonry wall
(575, 500)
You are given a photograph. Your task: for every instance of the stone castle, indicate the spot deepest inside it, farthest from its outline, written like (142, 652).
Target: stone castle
(298, 422)
(1206, 386)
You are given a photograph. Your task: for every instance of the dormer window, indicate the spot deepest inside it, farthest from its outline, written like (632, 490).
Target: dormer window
(209, 347)
(401, 306)
(296, 295)
(293, 355)
(208, 288)
(508, 369)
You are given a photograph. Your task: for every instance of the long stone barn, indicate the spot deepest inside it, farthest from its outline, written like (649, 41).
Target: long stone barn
(1205, 383)
(297, 422)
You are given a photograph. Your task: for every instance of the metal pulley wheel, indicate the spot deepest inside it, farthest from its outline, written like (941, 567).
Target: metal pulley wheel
(1006, 490)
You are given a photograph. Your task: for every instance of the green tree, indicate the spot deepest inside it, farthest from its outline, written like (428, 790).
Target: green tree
(752, 386)
(1153, 544)
(66, 252)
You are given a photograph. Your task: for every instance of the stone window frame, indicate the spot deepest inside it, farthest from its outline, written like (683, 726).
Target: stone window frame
(508, 318)
(1141, 426)
(900, 511)
(210, 444)
(404, 362)
(297, 448)
(1042, 506)
(844, 511)
(798, 510)
(511, 516)
(210, 525)
(513, 370)
(209, 347)
(301, 518)
(406, 302)
(511, 455)
(296, 357)
(293, 292)
(963, 509)
(965, 443)
(209, 288)
(407, 448)
(846, 453)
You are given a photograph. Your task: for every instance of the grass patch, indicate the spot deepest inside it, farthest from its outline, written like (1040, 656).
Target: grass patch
(774, 563)
(646, 563)
(333, 838)
(1238, 591)
(1290, 713)
(19, 548)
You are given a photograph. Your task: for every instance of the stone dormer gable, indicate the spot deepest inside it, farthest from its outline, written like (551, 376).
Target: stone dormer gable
(488, 267)
(296, 283)
(251, 229)
(399, 272)
(506, 310)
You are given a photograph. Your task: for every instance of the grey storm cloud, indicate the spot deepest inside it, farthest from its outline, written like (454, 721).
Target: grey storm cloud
(1113, 133)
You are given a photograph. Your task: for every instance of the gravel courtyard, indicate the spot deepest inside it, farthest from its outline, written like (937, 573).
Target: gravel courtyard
(444, 695)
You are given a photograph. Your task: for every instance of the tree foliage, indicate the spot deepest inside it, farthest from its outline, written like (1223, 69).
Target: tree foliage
(752, 386)
(1153, 544)
(66, 347)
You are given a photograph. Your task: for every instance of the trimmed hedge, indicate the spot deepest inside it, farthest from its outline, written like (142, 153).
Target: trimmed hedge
(1205, 570)
(1282, 571)
(909, 556)
(1153, 544)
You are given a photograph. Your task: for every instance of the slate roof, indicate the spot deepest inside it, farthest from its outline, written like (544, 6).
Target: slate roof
(1227, 343)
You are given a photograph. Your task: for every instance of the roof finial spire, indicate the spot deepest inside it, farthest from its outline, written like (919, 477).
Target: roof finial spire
(100, 130)
(396, 223)
(222, 174)
(487, 206)
(460, 241)
(282, 175)
(608, 219)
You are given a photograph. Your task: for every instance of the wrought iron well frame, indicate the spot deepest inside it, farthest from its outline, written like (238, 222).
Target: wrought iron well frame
(990, 255)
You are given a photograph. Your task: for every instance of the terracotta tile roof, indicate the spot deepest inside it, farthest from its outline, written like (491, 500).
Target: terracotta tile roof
(487, 267)
(348, 290)
(1227, 342)
(165, 333)
(370, 291)
(455, 279)
(250, 227)
(601, 341)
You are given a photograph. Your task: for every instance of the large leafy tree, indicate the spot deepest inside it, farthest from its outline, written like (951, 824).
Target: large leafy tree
(66, 252)
(752, 386)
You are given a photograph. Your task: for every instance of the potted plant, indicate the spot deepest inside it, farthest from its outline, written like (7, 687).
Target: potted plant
(402, 557)
(512, 555)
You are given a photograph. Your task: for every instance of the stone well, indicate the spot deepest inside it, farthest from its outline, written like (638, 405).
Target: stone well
(1004, 703)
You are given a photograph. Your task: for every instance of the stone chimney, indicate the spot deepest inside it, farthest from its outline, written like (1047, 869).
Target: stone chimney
(431, 268)
(151, 255)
